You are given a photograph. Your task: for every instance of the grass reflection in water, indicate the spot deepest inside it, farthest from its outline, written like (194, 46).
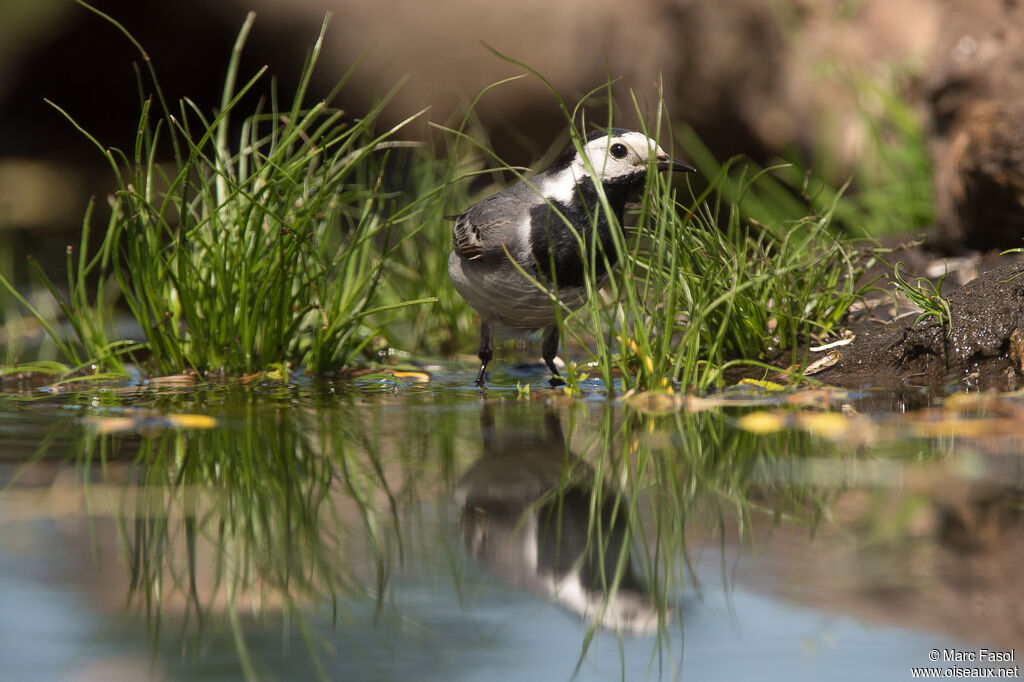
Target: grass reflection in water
(302, 506)
(283, 524)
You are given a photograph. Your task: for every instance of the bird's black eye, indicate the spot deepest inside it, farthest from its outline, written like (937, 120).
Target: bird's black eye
(619, 150)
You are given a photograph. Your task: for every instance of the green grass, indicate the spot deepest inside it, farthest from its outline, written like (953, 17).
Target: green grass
(926, 295)
(703, 285)
(241, 253)
(300, 236)
(418, 265)
(90, 343)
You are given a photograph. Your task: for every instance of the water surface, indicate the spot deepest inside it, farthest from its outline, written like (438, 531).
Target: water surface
(388, 529)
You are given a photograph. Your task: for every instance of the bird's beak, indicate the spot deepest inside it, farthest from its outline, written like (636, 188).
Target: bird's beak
(666, 162)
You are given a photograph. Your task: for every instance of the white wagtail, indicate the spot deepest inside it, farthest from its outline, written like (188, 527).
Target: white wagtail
(527, 223)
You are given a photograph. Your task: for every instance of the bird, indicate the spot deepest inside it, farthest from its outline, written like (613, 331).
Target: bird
(523, 229)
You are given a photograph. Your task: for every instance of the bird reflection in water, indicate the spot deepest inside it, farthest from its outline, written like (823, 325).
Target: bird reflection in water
(534, 515)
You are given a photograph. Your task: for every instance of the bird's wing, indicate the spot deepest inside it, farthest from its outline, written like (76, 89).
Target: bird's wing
(479, 232)
(473, 239)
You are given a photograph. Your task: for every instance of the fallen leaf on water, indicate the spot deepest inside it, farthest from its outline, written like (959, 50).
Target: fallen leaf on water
(387, 374)
(695, 403)
(654, 402)
(762, 384)
(831, 425)
(192, 421)
(817, 396)
(108, 425)
(763, 422)
(149, 422)
(183, 379)
(414, 377)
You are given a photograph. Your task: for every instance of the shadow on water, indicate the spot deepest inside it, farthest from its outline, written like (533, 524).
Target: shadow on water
(390, 530)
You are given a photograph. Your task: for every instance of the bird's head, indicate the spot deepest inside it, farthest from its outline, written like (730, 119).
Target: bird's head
(619, 156)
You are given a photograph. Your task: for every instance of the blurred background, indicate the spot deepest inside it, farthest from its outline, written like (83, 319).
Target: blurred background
(912, 94)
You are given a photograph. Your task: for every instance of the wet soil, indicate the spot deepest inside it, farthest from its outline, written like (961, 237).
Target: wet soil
(982, 347)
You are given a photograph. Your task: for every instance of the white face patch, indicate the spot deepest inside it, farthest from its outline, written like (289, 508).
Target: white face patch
(608, 164)
(604, 161)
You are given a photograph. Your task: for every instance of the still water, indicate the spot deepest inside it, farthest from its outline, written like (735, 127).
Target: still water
(390, 529)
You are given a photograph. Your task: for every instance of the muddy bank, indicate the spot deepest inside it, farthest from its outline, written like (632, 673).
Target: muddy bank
(982, 347)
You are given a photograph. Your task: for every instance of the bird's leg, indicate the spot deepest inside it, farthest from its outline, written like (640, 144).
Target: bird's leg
(485, 351)
(548, 351)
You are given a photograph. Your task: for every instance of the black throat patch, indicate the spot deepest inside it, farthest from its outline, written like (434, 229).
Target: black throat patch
(556, 250)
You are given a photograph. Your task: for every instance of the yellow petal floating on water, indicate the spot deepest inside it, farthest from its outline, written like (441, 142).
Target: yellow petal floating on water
(149, 422)
(413, 377)
(762, 384)
(108, 425)
(192, 421)
(762, 422)
(831, 425)
(387, 374)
